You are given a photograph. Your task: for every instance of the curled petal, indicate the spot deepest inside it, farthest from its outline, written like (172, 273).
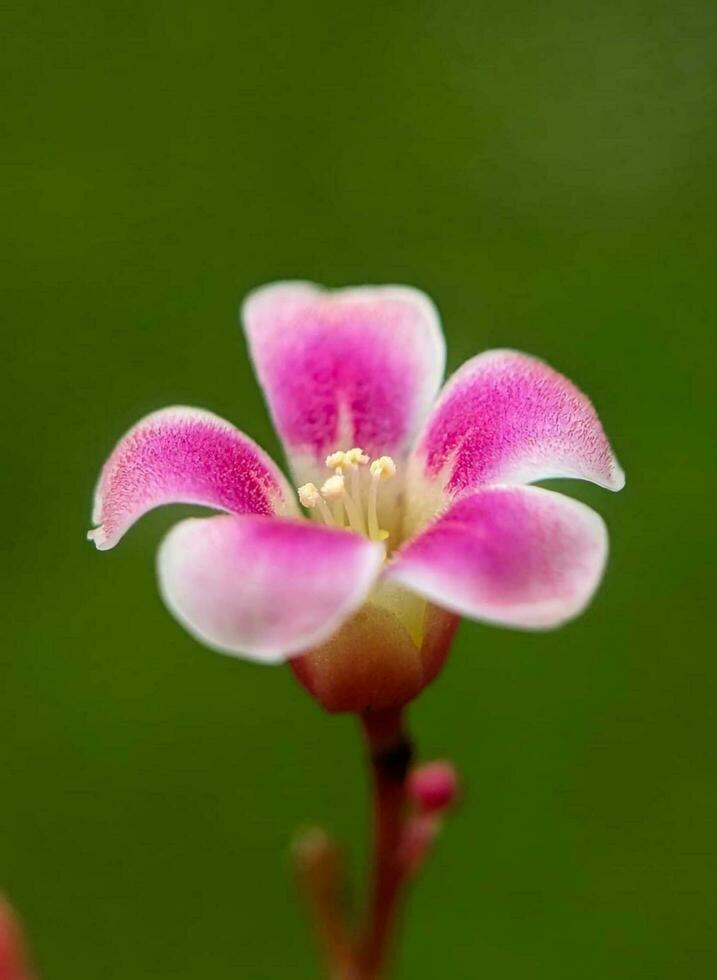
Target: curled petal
(354, 367)
(515, 556)
(189, 456)
(261, 587)
(505, 417)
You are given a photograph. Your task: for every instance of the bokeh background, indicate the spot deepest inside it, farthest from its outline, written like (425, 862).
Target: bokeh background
(547, 173)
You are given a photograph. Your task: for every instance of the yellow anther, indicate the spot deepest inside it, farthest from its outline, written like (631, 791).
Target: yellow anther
(336, 461)
(383, 468)
(355, 457)
(309, 495)
(334, 488)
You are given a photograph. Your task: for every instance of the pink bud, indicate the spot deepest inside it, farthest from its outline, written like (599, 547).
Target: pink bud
(434, 786)
(13, 961)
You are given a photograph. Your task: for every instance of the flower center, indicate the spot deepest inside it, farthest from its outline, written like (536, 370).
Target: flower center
(349, 498)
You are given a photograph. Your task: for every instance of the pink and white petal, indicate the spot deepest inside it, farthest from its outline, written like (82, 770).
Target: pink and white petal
(264, 588)
(343, 368)
(189, 456)
(515, 556)
(506, 417)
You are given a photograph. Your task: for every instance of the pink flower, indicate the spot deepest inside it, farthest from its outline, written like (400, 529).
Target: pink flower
(419, 509)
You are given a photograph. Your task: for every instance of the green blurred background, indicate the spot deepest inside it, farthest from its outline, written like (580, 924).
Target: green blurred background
(547, 173)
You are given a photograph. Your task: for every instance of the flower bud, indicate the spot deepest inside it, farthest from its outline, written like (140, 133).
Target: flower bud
(433, 786)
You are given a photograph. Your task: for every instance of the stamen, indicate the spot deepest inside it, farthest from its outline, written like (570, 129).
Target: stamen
(334, 490)
(353, 459)
(310, 497)
(382, 468)
(335, 500)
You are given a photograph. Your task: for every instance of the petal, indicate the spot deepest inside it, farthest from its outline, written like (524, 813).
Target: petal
(515, 556)
(262, 587)
(505, 417)
(354, 367)
(189, 456)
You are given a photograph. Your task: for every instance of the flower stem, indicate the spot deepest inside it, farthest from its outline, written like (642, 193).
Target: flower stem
(390, 752)
(362, 955)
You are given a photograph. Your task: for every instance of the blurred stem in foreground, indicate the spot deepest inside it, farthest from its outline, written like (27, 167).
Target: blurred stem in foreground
(14, 962)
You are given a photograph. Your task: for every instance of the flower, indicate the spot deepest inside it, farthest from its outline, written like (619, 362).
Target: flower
(418, 512)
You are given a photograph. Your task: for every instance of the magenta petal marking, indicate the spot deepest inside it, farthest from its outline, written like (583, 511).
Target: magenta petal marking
(516, 556)
(261, 587)
(351, 367)
(184, 455)
(505, 417)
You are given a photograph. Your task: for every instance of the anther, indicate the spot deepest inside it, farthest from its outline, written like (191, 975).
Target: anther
(336, 461)
(310, 497)
(383, 468)
(334, 488)
(355, 457)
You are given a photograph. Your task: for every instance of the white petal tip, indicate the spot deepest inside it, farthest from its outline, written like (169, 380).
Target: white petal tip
(618, 480)
(100, 539)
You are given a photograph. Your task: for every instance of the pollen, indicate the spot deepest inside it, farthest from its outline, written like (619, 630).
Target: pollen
(350, 495)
